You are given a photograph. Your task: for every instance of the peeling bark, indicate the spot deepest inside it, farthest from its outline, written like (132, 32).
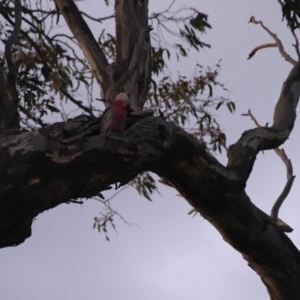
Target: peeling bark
(131, 21)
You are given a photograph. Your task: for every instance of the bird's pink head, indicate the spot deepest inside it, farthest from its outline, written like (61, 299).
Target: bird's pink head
(121, 98)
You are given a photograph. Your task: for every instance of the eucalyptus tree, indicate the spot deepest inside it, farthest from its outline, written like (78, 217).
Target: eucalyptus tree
(44, 165)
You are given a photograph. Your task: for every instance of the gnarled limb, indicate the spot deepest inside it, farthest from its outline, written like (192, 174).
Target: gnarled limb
(151, 144)
(241, 155)
(286, 190)
(27, 188)
(290, 179)
(277, 43)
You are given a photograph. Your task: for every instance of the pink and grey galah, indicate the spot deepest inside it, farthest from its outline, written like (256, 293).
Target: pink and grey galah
(120, 107)
(114, 118)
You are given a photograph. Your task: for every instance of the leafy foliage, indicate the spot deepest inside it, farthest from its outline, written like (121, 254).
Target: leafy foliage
(291, 12)
(106, 219)
(189, 101)
(50, 70)
(190, 24)
(145, 185)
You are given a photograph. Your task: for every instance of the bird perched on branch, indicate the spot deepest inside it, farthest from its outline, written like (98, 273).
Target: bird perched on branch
(120, 115)
(114, 118)
(120, 106)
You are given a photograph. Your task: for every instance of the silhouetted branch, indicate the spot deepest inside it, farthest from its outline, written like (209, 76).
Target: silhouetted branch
(278, 43)
(252, 53)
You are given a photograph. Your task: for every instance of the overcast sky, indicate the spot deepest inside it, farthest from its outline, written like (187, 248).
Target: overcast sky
(170, 255)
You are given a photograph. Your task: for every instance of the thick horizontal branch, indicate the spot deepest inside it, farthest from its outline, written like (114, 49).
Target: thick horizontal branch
(75, 161)
(65, 161)
(42, 169)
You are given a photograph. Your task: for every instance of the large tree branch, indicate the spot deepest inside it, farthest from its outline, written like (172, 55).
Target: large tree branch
(86, 40)
(75, 161)
(93, 162)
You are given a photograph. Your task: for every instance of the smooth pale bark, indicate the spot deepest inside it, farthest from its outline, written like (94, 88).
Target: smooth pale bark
(89, 46)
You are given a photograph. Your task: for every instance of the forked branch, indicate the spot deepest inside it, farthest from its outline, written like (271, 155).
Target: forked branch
(290, 179)
(277, 43)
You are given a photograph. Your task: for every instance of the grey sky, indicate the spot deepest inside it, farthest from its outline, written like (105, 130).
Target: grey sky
(170, 256)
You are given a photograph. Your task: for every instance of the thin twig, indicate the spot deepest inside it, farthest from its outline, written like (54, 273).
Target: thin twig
(277, 41)
(249, 113)
(10, 116)
(296, 45)
(97, 19)
(107, 204)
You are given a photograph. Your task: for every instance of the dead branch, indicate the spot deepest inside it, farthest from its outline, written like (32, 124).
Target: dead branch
(249, 113)
(278, 43)
(252, 53)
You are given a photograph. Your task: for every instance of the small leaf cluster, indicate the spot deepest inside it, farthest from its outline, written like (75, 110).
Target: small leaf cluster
(189, 102)
(291, 13)
(50, 71)
(105, 220)
(189, 34)
(190, 25)
(145, 185)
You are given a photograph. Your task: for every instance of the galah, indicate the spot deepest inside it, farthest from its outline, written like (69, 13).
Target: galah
(114, 118)
(120, 107)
